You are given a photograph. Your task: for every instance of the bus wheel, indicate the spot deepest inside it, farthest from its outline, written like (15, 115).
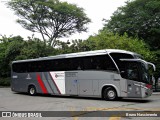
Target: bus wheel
(32, 90)
(109, 93)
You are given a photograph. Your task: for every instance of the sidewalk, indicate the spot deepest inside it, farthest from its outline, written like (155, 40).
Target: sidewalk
(156, 93)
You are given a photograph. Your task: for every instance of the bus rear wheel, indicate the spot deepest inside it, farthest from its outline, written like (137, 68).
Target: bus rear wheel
(32, 90)
(109, 93)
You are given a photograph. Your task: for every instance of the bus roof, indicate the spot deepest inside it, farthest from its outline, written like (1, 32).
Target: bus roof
(80, 54)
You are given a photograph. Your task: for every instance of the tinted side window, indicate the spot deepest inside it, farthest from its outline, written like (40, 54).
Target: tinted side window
(118, 56)
(19, 67)
(49, 65)
(101, 62)
(74, 64)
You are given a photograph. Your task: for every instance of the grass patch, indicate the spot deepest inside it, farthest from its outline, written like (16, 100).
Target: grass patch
(5, 81)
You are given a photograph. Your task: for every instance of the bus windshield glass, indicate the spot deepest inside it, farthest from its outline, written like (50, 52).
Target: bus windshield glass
(146, 76)
(135, 70)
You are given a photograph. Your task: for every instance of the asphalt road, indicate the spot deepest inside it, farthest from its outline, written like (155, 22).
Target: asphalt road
(11, 101)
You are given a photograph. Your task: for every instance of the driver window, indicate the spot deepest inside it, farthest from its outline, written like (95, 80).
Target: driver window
(132, 71)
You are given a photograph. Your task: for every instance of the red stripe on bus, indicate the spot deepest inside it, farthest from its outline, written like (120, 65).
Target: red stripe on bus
(55, 83)
(41, 84)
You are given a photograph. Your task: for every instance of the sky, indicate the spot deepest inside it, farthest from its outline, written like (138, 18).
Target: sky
(96, 10)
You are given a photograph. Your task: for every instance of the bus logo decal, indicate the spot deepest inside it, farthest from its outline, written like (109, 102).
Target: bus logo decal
(28, 76)
(14, 76)
(59, 75)
(56, 75)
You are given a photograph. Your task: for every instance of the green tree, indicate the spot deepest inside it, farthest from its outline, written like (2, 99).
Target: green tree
(108, 40)
(10, 47)
(140, 18)
(79, 46)
(51, 18)
(15, 48)
(35, 48)
(3, 47)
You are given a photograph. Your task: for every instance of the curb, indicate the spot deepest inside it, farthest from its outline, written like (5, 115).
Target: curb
(156, 93)
(4, 86)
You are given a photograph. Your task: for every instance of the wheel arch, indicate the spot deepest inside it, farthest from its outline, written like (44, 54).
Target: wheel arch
(31, 84)
(112, 86)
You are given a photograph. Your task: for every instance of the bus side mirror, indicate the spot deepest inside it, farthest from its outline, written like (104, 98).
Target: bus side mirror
(122, 72)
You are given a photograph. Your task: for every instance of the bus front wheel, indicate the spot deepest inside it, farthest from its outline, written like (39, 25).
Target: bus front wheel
(32, 90)
(109, 93)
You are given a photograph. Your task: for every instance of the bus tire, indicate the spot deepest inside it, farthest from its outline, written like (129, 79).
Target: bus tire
(32, 90)
(109, 93)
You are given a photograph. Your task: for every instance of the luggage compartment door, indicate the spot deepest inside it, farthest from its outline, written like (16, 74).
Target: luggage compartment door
(71, 83)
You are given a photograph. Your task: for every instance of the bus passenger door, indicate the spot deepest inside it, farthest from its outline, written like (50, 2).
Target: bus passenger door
(71, 83)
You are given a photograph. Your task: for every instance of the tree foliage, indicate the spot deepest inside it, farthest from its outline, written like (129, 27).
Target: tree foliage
(108, 40)
(51, 18)
(9, 47)
(140, 18)
(15, 48)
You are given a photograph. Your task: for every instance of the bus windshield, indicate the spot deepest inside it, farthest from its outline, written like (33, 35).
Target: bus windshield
(137, 71)
(146, 76)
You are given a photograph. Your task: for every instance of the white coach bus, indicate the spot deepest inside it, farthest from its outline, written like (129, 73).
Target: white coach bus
(106, 73)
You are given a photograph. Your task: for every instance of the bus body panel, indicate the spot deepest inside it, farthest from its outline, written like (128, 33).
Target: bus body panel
(70, 79)
(82, 83)
(21, 81)
(123, 88)
(58, 78)
(69, 83)
(134, 88)
(92, 82)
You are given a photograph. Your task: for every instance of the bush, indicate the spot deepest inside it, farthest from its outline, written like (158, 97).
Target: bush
(5, 81)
